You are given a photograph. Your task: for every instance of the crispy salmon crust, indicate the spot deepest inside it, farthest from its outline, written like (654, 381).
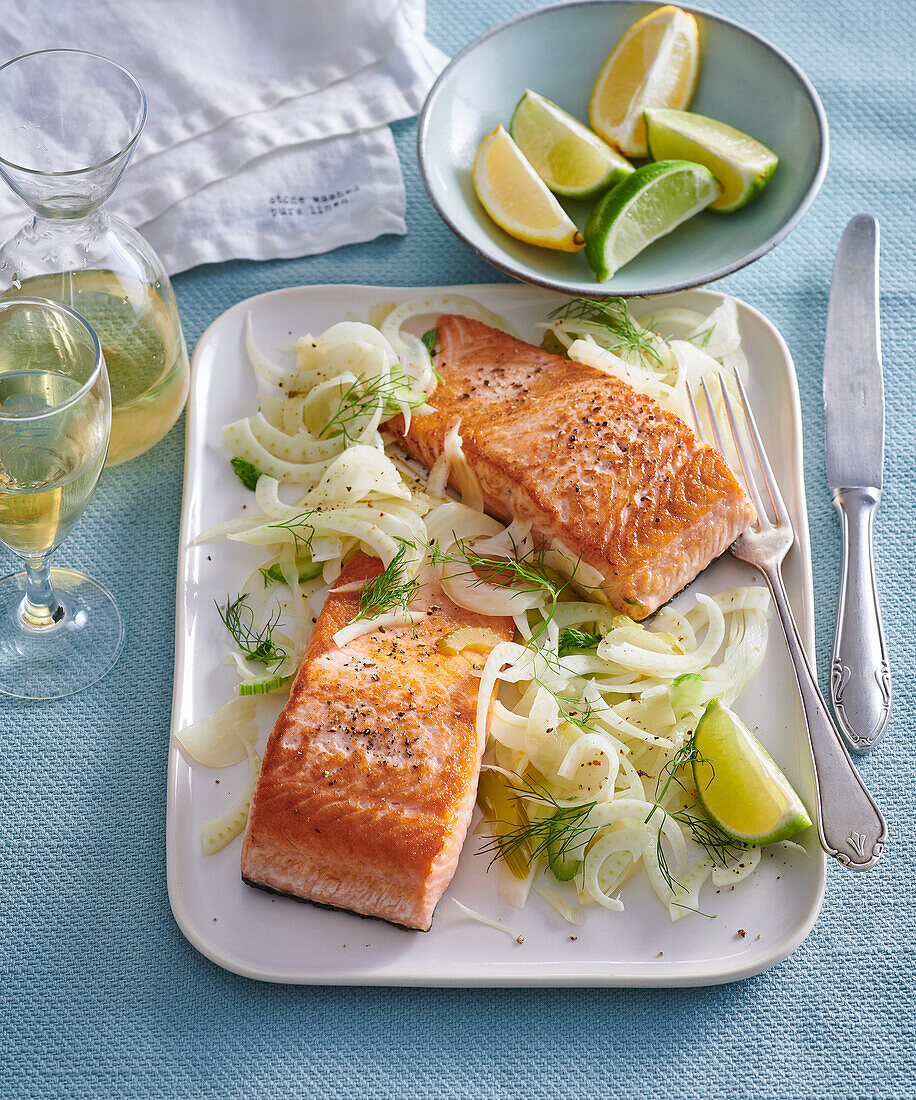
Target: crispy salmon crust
(369, 777)
(625, 486)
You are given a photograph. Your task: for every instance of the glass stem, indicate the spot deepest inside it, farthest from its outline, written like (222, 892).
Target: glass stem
(41, 607)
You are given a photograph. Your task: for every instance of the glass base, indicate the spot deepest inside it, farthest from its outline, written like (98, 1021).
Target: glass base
(49, 662)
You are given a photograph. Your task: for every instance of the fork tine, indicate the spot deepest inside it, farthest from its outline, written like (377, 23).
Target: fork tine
(695, 414)
(713, 419)
(749, 480)
(782, 513)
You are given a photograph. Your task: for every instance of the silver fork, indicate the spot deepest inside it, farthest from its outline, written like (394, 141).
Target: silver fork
(850, 825)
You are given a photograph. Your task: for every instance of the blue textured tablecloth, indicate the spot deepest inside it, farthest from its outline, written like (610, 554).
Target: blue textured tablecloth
(100, 994)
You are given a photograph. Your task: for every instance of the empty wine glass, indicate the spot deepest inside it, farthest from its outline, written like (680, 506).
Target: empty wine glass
(60, 631)
(69, 124)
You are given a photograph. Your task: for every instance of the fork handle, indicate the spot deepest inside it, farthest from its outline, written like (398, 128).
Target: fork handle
(849, 823)
(860, 675)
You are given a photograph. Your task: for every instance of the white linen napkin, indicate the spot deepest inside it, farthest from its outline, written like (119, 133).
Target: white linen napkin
(249, 102)
(392, 87)
(202, 62)
(295, 202)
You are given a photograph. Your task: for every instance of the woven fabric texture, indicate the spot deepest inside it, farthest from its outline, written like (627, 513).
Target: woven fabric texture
(100, 994)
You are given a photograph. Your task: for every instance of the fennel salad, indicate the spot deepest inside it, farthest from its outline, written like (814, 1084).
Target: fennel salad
(586, 777)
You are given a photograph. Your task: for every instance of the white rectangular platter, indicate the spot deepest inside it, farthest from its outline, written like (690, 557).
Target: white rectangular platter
(755, 924)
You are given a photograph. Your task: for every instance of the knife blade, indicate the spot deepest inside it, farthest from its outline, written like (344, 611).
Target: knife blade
(854, 420)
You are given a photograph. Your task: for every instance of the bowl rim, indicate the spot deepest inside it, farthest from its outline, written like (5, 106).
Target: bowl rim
(599, 291)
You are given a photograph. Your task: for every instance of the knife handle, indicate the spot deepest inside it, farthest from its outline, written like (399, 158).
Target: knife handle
(860, 680)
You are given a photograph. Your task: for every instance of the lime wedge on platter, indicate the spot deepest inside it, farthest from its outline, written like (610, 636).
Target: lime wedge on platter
(742, 164)
(569, 158)
(741, 788)
(648, 204)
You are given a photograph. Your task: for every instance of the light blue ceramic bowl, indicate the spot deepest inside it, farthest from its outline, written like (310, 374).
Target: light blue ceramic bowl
(558, 51)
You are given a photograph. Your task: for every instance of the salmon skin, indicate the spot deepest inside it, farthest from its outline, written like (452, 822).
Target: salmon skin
(621, 484)
(369, 777)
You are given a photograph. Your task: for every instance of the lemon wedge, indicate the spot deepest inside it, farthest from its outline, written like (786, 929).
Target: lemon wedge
(655, 64)
(740, 786)
(517, 199)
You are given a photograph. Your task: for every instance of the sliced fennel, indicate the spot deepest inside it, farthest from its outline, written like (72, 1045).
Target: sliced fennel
(219, 740)
(215, 835)
(608, 778)
(592, 711)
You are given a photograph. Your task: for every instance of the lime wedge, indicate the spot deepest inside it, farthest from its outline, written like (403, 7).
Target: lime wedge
(740, 163)
(569, 158)
(648, 204)
(740, 787)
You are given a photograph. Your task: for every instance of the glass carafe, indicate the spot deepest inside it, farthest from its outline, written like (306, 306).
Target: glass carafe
(69, 123)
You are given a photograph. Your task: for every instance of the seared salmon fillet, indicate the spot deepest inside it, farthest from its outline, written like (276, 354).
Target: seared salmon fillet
(370, 774)
(620, 483)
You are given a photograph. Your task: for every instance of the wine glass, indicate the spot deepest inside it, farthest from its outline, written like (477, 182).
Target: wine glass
(69, 124)
(60, 631)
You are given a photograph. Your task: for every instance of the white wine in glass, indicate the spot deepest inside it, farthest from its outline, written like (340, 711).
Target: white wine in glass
(46, 482)
(59, 630)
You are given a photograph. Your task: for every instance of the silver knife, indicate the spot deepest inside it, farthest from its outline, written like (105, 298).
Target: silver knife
(860, 678)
